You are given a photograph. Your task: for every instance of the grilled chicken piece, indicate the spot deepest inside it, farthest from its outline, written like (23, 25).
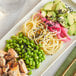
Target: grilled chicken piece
(2, 62)
(23, 74)
(5, 68)
(13, 63)
(22, 66)
(2, 53)
(14, 71)
(1, 71)
(13, 53)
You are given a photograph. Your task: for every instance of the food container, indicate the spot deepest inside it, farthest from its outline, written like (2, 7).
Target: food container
(49, 59)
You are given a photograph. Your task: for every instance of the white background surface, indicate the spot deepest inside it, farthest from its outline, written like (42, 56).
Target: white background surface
(8, 20)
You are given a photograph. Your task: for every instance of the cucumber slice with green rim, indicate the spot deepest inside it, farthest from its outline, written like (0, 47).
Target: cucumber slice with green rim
(43, 13)
(51, 15)
(74, 15)
(48, 6)
(70, 19)
(62, 19)
(72, 30)
(60, 8)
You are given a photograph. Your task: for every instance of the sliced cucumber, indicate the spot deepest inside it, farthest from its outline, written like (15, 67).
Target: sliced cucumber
(60, 8)
(74, 15)
(43, 13)
(48, 6)
(51, 15)
(62, 19)
(70, 19)
(72, 30)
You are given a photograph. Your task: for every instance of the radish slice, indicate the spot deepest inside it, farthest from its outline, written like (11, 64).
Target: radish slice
(57, 28)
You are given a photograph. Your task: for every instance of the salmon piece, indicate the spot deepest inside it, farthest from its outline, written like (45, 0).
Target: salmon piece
(14, 71)
(2, 53)
(2, 62)
(5, 68)
(13, 52)
(22, 66)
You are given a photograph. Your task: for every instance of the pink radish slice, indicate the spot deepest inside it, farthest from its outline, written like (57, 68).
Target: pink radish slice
(57, 28)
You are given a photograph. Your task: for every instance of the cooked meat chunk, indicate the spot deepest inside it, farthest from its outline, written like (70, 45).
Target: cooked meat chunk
(2, 62)
(13, 53)
(2, 53)
(13, 63)
(22, 66)
(14, 71)
(5, 68)
(8, 56)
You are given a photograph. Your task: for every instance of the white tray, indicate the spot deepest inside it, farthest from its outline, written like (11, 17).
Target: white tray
(49, 59)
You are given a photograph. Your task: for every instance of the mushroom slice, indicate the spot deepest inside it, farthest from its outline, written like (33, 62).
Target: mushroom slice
(2, 61)
(14, 71)
(22, 66)
(13, 53)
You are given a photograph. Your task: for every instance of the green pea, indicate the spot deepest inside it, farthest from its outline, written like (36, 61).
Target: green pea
(29, 69)
(18, 49)
(23, 51)
(33, 63)
(36, 57)
(13, 37)
(36, 62)
(30, 73)
(20, 56)
(37, 47)
(30, 59)
(40, 45)
(32, 41)
(7, 45)
(24, 41)
(41, 50)
(32, 49)
(38, 65)
(27, 61)
(10, 40)
(28, 52)
(29, 46)
(25, 54)
(31, 54)
(17, 45)
(35, 51)
(30, 63)
(20, 34)
(22, 46)
(32, 67)
(40, 60)
(11, 46)
(40, 55)
(20, 53)
(7, 41)
(20, 42)
(44, 57)
(28, 49)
